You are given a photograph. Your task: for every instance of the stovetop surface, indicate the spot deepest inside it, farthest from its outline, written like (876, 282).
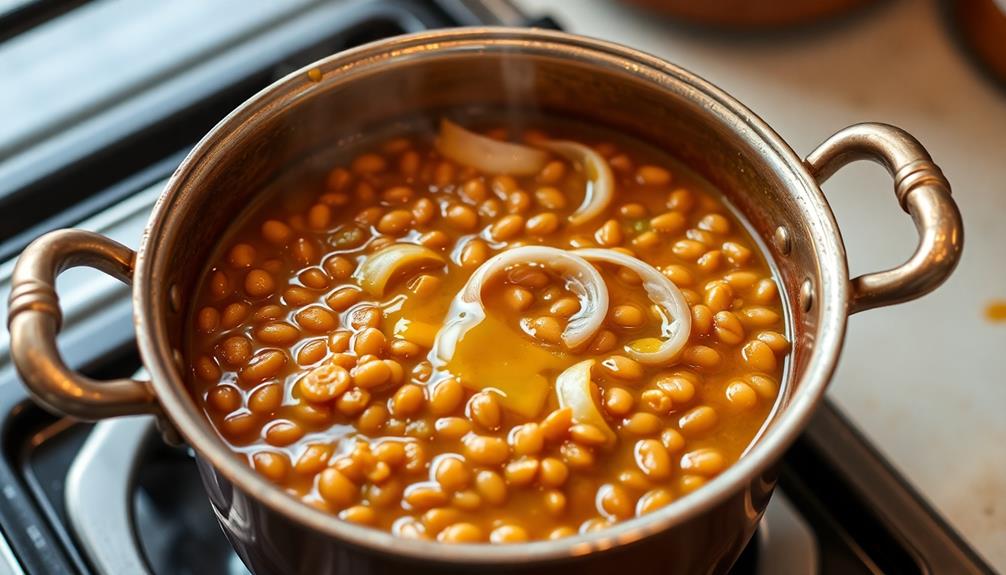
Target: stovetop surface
(112, 498)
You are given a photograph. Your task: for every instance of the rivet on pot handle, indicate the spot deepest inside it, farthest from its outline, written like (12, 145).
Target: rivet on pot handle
(921, 190)
(34, 320)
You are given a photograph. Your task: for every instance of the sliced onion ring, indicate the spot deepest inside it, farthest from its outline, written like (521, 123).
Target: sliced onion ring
(467, 309)
(486, 154)
(601, 184)
(572, 387)
(376, 270)
(662, 292)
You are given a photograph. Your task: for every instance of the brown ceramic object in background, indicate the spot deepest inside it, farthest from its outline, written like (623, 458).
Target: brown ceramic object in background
(981, 27)
(751, 13)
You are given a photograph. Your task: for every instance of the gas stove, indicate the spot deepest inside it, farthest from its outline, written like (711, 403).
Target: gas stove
(111, 498)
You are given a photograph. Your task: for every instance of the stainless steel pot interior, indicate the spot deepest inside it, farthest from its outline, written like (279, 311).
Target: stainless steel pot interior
(514, 70)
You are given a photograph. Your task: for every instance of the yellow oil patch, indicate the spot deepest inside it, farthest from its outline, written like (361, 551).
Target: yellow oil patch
(492, 355)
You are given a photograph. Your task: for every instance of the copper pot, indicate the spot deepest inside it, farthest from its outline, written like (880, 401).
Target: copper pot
(980, 25)
(518, 69)
(752, 14)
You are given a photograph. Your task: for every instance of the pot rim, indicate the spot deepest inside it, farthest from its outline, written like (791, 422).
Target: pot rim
(151, 300)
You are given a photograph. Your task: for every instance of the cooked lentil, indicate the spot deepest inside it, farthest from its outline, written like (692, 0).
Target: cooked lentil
(330, 390)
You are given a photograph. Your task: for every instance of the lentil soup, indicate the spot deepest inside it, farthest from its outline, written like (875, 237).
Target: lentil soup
(467, 340)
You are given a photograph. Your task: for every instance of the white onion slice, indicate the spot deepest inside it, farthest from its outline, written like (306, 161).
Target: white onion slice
(572, 387)
(467, 309)
(376, 270)
(662, 292)
(486, 154)
(600, 182)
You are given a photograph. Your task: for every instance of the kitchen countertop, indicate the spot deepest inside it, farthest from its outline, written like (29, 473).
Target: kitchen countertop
(925, 380)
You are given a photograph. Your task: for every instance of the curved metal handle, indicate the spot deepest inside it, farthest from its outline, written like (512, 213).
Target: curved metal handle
(34, 320)
(921, 190)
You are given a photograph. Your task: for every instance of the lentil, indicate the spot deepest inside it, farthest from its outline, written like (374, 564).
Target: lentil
(542, 224)
(553, 472)
(652, 459)
(266, 398)
(528, 439)
(550, 198)
(653, 500)
(618, 401)
(627, 316)
(421, 451)
(273, 465)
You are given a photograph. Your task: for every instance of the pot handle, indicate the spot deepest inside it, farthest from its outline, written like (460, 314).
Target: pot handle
(34, 320)
(921, 190)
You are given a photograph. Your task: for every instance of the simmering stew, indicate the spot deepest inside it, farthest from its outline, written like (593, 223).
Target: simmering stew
(492, 336)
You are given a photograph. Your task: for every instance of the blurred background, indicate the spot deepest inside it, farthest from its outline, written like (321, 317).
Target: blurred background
(99, 100)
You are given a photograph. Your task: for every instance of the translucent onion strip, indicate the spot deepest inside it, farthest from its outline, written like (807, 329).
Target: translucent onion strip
(573, 390)
(600, 182)
(378, 268)
(486, 154)
(662, 292)
(467, 310)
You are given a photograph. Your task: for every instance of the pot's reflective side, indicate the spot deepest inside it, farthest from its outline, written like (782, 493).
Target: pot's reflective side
(269, 543)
